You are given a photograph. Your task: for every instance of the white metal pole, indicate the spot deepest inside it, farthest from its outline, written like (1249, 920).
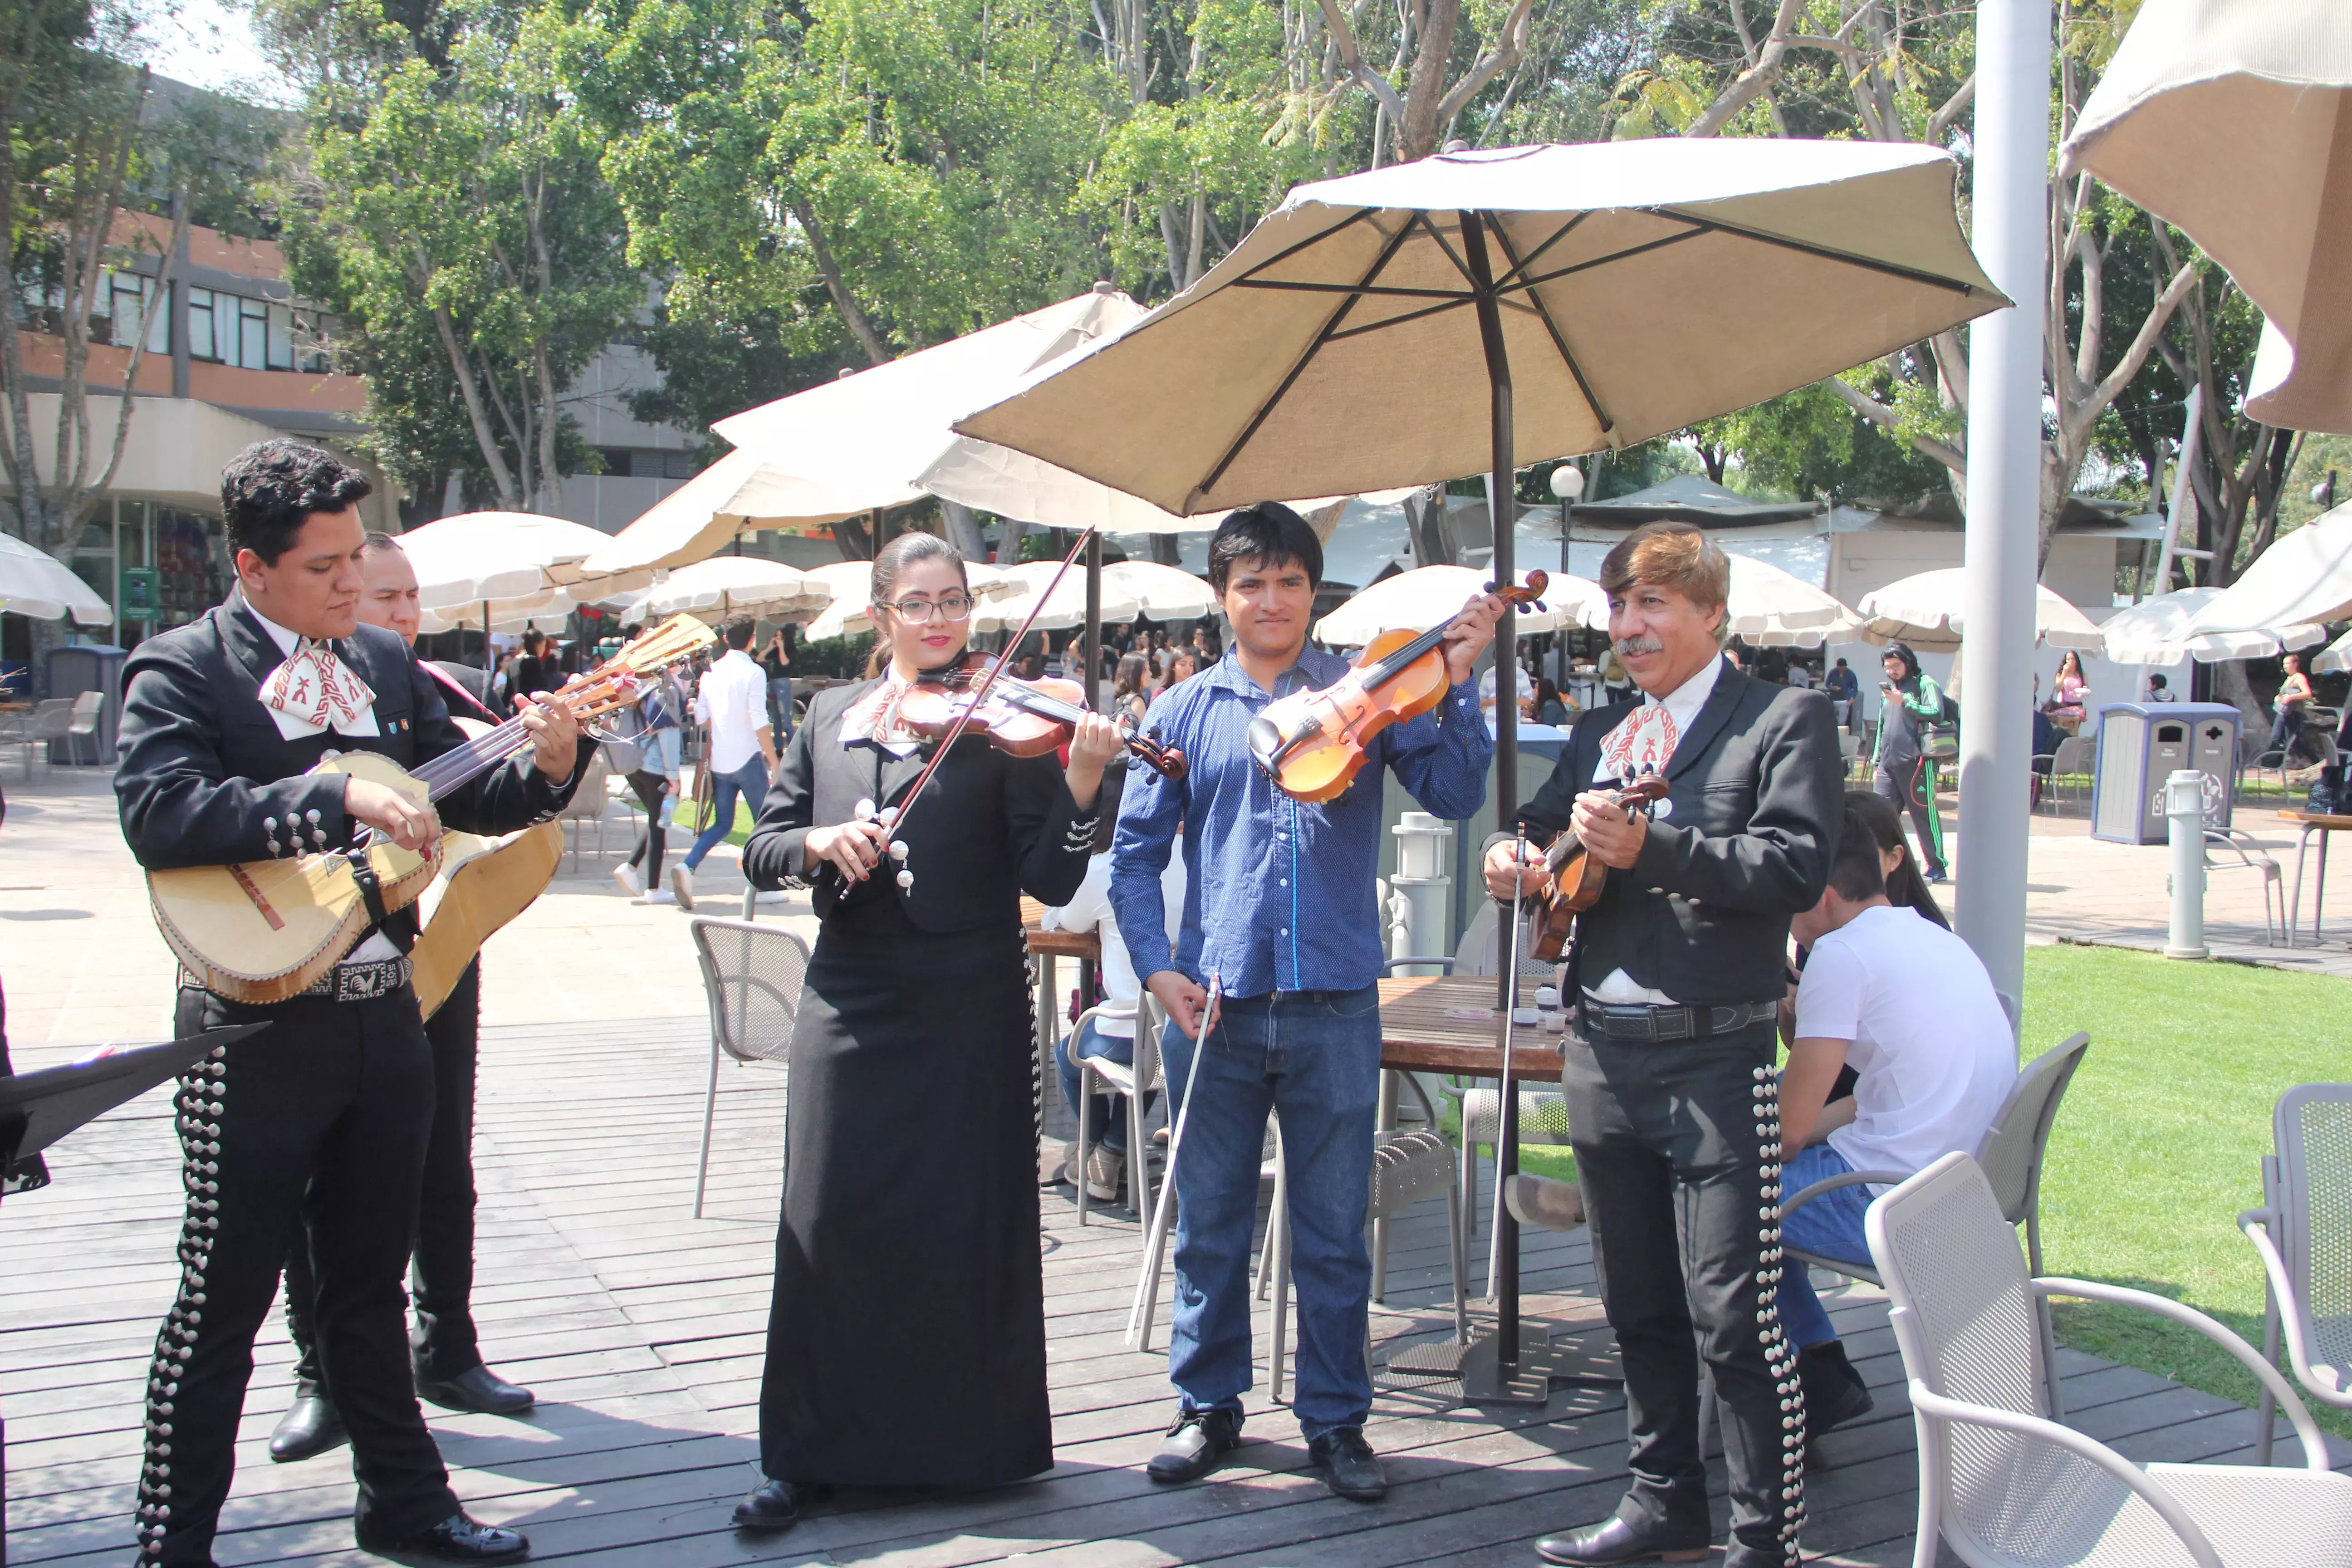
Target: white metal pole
(2011, 202)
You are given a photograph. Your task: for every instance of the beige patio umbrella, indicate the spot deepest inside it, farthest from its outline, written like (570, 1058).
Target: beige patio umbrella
(1065, 608)
(726, 586)
(2233, 119)
(2154, 631)
(2336, 657)
(1773, 608)
(737, 494)
(1427, 597)
(851, 583)
(1923, 610)
(2306, 576)
(508, 560)
(1161, 593)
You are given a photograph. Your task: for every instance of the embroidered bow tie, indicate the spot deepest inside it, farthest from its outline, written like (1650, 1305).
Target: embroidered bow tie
(1642, 743)
(313, 690)
(875, 721)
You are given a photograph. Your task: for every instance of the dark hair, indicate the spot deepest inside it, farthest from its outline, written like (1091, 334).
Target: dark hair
(737, 632)
(904, 552)
(1129, 680)
(1546, 691)
(377, 541)
(1902, 651)
(1854, 871)
(2155, 683)
(270, 490)
(1879, 819)
(1269, 533)
(1670, 554)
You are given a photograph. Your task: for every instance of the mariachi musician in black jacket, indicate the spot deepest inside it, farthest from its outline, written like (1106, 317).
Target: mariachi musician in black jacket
(319, 1122)
(1672, 1099)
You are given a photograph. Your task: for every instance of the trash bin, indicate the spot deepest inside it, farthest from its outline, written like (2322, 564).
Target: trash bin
(88, 667)
(2140, 745)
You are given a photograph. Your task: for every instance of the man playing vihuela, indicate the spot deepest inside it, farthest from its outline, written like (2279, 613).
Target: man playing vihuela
(1668, 1075)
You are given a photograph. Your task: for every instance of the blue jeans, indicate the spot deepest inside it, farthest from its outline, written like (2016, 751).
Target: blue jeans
(1108, 1120)
(751, 782)
(1830, 1224)
(1313, 1059)
(779, 705)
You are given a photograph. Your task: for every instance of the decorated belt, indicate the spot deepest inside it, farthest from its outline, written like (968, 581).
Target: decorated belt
(347, 982)
(1660, 1026)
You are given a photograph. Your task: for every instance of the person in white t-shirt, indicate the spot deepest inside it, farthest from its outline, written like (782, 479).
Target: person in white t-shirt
(1112, 1039)
(1910, 1007)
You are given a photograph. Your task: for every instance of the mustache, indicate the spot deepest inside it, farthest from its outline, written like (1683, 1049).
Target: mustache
(1625, 646)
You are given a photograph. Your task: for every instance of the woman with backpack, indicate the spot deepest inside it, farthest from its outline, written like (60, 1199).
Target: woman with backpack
(1909, 701)
(661, 712)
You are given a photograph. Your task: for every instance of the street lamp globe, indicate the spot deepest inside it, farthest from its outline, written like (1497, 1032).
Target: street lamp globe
(1568, 482)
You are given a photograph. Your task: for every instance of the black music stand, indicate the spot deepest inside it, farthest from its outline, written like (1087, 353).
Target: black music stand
(37, 1109)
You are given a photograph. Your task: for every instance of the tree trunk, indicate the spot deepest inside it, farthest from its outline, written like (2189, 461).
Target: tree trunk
(963, 530)
(2230, 686)
(856, 542)
(1164, 550)
(827, 268)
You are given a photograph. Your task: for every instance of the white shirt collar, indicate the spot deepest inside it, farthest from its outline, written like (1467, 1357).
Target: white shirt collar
(1683, 704)
(287, 641)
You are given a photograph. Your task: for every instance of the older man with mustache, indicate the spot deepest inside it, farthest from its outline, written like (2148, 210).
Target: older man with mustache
(1669, 1078)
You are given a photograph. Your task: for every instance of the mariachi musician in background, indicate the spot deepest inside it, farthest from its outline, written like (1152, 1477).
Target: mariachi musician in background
(447, 1351)
(906, 1338)
(1672, 1099)
(319, 1124)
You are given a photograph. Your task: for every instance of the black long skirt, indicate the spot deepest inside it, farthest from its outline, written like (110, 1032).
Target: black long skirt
(906, 1337)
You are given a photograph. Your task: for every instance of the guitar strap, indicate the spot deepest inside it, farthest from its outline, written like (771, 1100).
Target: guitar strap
(400, 935)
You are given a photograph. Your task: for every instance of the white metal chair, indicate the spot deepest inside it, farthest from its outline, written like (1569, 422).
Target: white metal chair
(2006, 1487)
(2304, 1233)
(81, 725)
(1134, 1081)
(2010, 1155)
(2070, 768)
(2250, 857)
(590, 804)
(751, 976)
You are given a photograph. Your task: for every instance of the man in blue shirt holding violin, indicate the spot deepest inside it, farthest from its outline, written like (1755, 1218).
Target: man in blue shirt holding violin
(1279, 908)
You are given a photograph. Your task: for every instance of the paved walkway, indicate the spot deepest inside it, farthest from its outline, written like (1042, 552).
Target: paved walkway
(81, 961)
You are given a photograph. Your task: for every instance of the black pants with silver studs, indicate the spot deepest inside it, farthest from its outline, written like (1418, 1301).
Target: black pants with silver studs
(1678, 1150)
(318, 1124)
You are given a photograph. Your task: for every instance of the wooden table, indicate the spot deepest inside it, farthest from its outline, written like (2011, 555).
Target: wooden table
(1422, 1030)
(2307, 824)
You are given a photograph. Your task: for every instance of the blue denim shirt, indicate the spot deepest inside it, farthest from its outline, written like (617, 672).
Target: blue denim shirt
(1279, 894)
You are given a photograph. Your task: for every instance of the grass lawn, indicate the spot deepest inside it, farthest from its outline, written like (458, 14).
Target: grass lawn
(685, 816)
(2160, 1142)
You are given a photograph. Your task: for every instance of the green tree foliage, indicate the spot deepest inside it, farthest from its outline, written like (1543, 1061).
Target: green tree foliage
(451, 208)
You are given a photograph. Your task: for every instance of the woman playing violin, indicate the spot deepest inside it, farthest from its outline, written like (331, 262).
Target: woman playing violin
(906, 1336)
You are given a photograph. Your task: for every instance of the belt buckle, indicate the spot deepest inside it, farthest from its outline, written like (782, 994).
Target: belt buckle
(1640, 1024)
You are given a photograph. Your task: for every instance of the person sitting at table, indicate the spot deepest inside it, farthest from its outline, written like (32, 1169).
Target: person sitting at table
(1910, 1006)
(1101, 1165)
(1549, 706)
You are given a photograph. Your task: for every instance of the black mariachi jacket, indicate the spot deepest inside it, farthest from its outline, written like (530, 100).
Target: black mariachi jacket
(1758, 786)
(206, 778)
(989, 827)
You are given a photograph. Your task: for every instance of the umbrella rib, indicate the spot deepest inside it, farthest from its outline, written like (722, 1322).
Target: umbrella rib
(1452, 302)
(1322, 336)
(1360, 214)
(1528, 285)
(1559, 338)
(1518, 267)
(1891, 269)
(1302, 287)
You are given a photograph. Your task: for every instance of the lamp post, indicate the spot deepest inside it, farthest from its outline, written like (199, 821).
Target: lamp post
(1567, 483)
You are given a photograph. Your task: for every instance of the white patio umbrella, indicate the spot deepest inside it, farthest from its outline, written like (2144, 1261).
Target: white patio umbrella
(2306, 576)
(1773, 608)
(2153, 631)
(508, 556)
(1065, 609)
(1923, 611)
(737, 494)
(2336, 657)
(36, 584)
(2233, 119)
(1417, 600)
(1161, 593)
(727, 587)
(546, 611)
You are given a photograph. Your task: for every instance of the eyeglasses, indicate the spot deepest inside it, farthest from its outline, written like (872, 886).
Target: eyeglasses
(922, 612)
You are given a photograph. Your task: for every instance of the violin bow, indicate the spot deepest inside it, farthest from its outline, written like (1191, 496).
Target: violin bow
(979, 695)
(1146, 1284)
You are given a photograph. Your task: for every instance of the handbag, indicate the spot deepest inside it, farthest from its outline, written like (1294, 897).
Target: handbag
(2328, 791)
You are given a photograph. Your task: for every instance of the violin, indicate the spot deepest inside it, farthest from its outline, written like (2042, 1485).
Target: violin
(1574, 877)
(1020, 718)
(1311, 743)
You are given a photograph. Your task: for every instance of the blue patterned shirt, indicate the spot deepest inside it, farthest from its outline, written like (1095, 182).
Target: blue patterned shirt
(1279, 894)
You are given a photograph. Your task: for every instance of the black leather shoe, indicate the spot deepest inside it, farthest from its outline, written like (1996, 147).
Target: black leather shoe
(456, 1539)
(1351, 1468)
(308, 1428)
(1834, 1392)
(478, 1389)
(1195, 1445)
(772, 1505)
(1613, 1541)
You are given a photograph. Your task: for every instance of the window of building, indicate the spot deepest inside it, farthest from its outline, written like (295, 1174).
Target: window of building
(121, 300)
(200, 324)
(646, 463)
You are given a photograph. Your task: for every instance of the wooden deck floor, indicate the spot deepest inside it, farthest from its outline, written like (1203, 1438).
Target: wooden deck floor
(640, 1328)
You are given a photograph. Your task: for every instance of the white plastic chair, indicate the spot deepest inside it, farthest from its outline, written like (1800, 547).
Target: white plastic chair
(2249, 859)
(751, 977)
(2005, 1486)
(592, 803)
(1134, 1081)
(2304, 1233)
